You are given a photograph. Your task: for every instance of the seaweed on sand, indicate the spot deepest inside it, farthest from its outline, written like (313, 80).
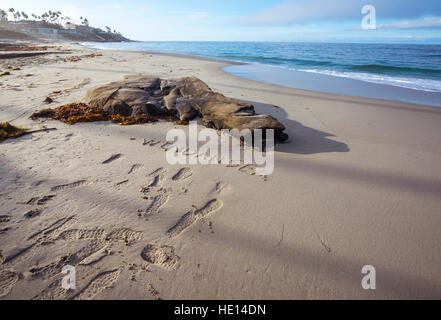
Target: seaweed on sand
(8, 131)
(80, 112)
(73, 113)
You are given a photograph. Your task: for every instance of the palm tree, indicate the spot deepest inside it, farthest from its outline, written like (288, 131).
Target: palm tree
(85, 22)
(3, 15)
(12, 11)
(53, 16)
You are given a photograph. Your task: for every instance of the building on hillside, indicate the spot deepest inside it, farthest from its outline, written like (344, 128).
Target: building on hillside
(69, 26)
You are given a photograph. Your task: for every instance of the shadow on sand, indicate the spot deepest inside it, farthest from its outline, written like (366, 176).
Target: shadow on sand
(302, 139)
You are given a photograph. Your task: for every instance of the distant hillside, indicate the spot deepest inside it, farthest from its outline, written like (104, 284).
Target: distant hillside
(15, 24)
(8, 34)
(42, 29)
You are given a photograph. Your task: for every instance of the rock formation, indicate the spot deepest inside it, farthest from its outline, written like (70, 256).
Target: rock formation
(185, 98)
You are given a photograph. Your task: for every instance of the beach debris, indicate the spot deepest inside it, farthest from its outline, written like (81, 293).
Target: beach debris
(6, 73)
(73, 113)
(8, 131)
(48, 100)
(121, 183)
(80, 112)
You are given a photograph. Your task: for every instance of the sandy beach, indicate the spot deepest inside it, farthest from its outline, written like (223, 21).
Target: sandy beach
(358, 183)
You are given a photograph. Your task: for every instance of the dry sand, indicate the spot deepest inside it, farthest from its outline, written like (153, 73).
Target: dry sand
(358, 183)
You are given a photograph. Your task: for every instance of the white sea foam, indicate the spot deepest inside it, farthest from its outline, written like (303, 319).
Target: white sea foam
(409, 83)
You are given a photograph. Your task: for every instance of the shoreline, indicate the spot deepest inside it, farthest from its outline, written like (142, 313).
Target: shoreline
(330, 84)
(356, 184)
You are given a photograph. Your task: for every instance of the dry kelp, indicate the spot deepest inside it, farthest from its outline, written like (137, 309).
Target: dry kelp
(8, 131)
(80, 112)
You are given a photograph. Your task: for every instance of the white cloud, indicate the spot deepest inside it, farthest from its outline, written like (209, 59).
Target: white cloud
(303, 11)
(433, 22)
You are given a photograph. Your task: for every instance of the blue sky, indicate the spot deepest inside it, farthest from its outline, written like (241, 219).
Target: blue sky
(253, 20)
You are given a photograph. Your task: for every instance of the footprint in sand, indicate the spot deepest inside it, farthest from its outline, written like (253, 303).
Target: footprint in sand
(79, 234)
(221, 187)
(4, 230)
(54, 291)
(157, 172)
(40, 201)
(44, 236)
(8, 279)
(88, 253)
(158, 202)
(164, 256)
(166, 145)
(5, 219)
(101, 282)
(54, 230)
(124, 234)
(32, 214)
(183, 174)
(113, 158)
(153, 291)
(96, 257)
(158, 181)
(249, 168)
(52, 268)
(85, 255)
(191, 217)
(159, 178)
(72, 185)
(134, 168)
(150, 143)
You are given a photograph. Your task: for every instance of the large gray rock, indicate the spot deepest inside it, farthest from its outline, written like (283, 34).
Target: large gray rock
(185, 98)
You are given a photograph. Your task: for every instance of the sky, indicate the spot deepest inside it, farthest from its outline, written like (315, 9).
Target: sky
(406, 21)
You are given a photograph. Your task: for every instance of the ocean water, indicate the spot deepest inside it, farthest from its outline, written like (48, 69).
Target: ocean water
(408, 66)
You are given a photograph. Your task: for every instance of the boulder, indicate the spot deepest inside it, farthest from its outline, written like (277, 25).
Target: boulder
(185, 98)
